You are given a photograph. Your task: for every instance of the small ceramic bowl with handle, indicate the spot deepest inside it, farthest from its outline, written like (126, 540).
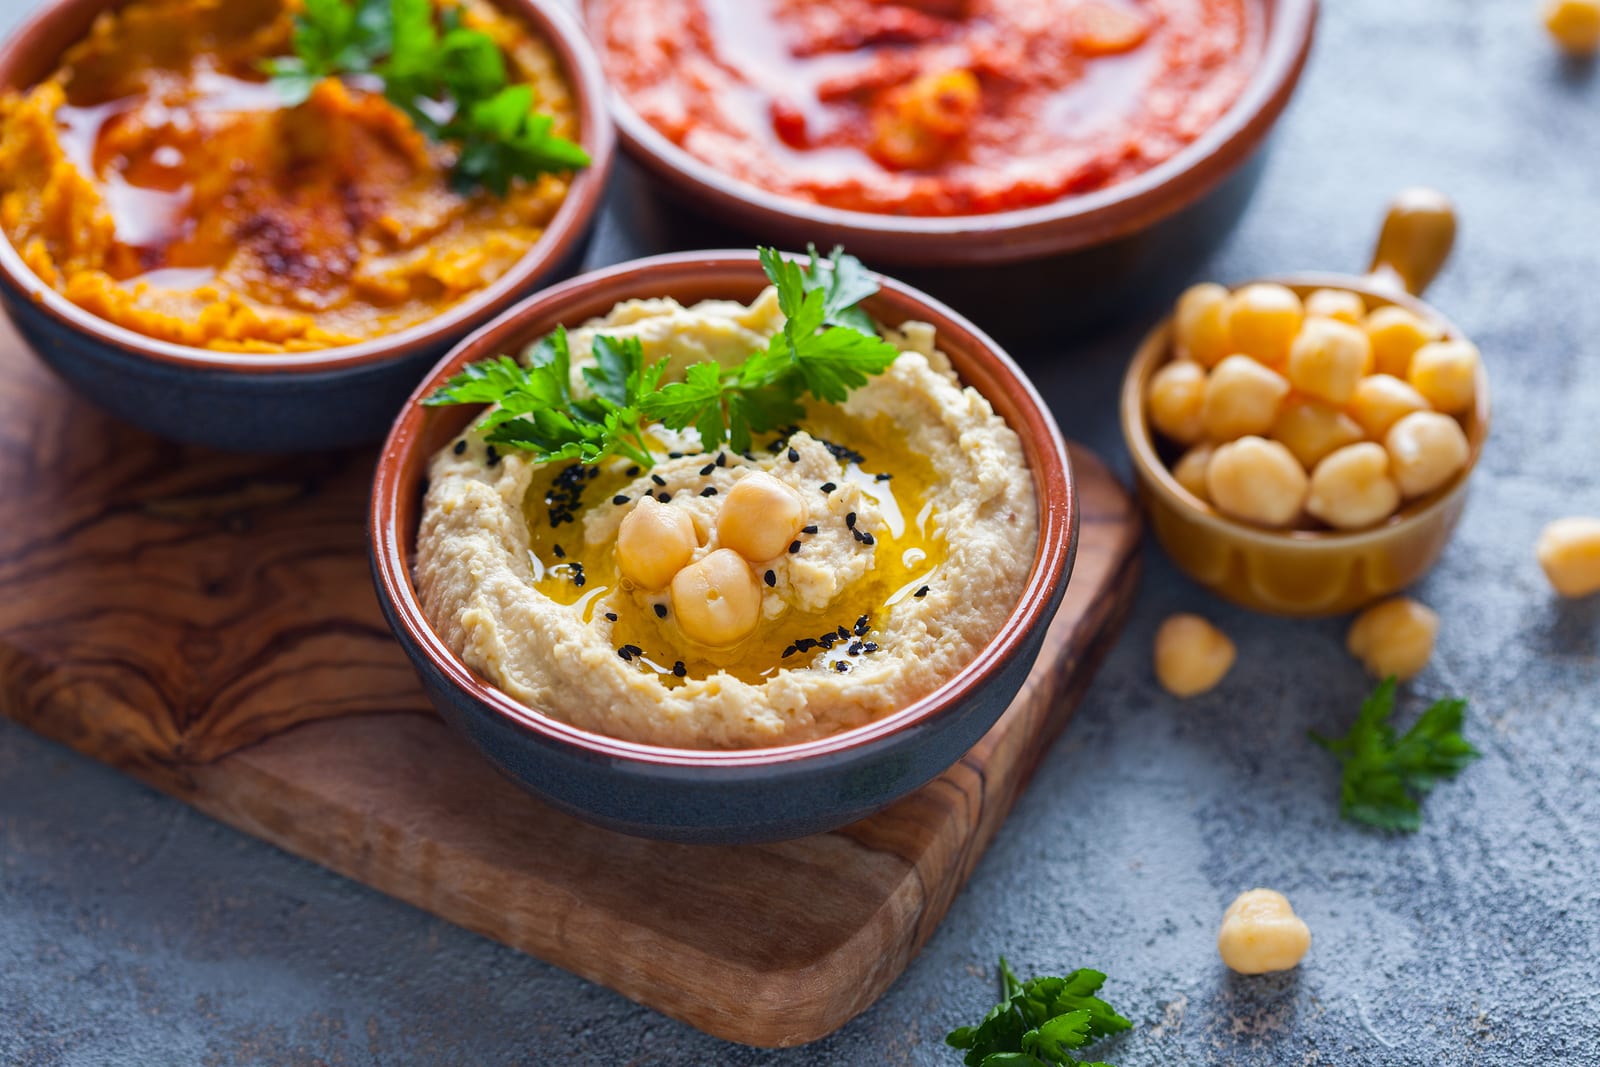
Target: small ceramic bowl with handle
(1313, 572)
(285, 401)
(721, 796)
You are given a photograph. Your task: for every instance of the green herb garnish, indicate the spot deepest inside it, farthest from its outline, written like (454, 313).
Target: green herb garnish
(1384, 778)
(1039, 1021)
(449, 79)
(539, 413)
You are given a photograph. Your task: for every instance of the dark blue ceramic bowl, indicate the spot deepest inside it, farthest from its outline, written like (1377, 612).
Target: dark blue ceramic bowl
(288, 402)
(721, 797)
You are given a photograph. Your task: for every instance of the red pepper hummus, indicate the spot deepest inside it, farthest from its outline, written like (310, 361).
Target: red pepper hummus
(930, 107)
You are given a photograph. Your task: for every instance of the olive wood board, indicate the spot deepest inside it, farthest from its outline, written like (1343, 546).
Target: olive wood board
(206, 622)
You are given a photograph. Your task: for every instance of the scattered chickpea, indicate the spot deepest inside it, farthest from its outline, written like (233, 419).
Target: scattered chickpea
(1569, 552)
(760, 516)
(1575, 25)
(1380, 401)
(1394, 637)
(1328, 358)
(1177, 395)
(1256, 480)
(1351, 488)
(1191, 655)
(654, 542)
(1340, 304)
(1200, 324)
(1426, 449)
(1446, 374)
(1261, 933)
(1396, 334)
(1241, 398)
(1263, 320)
(1311, 429)
(717, 601)
(1190, 470)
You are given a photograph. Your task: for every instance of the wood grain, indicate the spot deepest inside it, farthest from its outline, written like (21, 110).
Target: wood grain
(207, 623)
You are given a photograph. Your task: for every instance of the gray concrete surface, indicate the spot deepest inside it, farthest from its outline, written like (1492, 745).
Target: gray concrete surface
(133, 931)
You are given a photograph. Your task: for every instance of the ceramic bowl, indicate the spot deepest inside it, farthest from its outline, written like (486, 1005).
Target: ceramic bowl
(1313, 572)
(284, 402)
(1093, 255)
(720, 796)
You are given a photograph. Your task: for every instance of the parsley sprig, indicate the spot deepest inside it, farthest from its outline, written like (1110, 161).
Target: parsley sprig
(1385, 777)
(451, 81)
(826, 348)
(1039, 1022)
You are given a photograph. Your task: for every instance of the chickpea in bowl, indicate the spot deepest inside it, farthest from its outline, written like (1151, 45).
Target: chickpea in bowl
(1303, 444)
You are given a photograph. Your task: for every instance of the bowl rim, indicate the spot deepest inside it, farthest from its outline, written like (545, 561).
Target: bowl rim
(1042, 441)
(1154, 350)
(566, 231)
(1065, 224)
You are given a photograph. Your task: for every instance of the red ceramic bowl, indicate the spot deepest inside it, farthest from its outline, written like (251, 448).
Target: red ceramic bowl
(296, 401)
(721, 796)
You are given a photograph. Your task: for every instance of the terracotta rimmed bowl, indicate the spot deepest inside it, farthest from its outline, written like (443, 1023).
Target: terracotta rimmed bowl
(1094, 254)
(721, 796)
(285, 402)
(1313, 572)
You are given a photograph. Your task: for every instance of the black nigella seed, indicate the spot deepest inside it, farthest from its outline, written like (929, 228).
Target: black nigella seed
(868, 540)
(882, 477)
(633, 471)
(844, 635)
(560, 552)
(593, 472)
(490, 456)
(679, 670)
(707, 469)
(709, 490)
(674, 455)
(826, 640)
(627, 657)
(722, 459)
(828, 487)
(794, 455)
(850, 520)
(841, 666)
(809, 529)
(794, 546)
(658, 479)
(664, 497)
(791, 650)
(461, 446)
(634, 650)
(861, 626)
(611, 616)
(578, 579)
(805, 644)
(869, 646)
(855, 648)
(921, 592)
(661, 611)
(620, 498)
(771, 579)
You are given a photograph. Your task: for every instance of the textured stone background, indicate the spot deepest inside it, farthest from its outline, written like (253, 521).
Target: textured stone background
(133, 931)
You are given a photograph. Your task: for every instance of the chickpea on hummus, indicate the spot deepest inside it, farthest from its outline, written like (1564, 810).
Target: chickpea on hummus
(832, 572)
(159, 180)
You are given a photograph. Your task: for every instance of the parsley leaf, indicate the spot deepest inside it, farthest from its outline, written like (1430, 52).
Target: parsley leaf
(453, 84)
(538, 412)
(1384, 778)
(1039, 1022)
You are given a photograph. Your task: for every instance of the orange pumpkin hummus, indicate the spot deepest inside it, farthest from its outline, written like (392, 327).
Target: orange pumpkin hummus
(158, 181)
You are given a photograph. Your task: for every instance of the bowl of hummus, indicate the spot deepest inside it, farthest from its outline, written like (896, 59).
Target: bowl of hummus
(1109, 139)
(254, 224)
(757, 602)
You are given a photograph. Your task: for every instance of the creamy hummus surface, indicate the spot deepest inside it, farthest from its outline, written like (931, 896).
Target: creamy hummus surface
(157, 180)
(919, 528)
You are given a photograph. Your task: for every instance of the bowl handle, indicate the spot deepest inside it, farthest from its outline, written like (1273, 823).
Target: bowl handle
(1416, 239)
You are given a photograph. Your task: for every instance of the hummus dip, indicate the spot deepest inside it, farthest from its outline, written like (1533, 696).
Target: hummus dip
(918, 530)
(930, 107)
(157, 180)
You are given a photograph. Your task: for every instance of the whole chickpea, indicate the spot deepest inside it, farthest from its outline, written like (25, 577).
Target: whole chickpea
(1575, 25)
(1177, 397)
(1426, 449)
(1263, 320)
(1256, 480)
(1446, 373)
(717, 601)
(654, 542)
(1341, 304)
(1394, 637)
(1351, 488)
(1190, 470)
(1380, 401)
(1241, 397)
(760, 516)
(1328, 358)
(1396, 334)
(1569, 552)
(1261, 933)
(1312, 428)
(1191, 655)
(1200, 324)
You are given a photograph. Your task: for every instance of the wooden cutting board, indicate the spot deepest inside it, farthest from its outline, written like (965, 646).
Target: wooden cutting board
(206, 622)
